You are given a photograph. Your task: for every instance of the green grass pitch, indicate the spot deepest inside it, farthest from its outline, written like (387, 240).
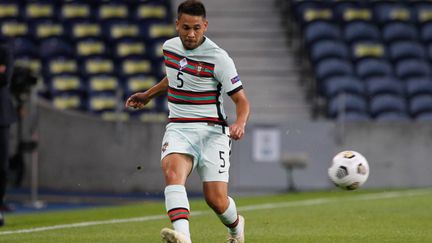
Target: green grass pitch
(334, 216)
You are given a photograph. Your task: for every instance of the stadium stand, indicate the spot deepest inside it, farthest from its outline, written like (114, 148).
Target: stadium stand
(374, 56)
(91, 55)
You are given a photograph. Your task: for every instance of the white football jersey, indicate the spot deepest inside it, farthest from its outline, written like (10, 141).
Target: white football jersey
(196, 81)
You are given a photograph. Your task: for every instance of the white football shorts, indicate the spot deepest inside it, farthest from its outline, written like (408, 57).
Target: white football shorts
(209, 145)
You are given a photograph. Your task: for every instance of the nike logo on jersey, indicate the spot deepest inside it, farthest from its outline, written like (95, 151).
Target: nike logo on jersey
(222, 171)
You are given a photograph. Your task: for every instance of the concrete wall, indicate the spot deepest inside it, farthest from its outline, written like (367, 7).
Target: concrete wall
(83, 153)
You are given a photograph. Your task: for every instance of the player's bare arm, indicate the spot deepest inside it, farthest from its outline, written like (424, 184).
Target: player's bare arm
(140, 99)
(237, 129)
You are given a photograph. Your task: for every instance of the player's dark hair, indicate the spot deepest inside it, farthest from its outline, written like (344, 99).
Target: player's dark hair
(191, 7)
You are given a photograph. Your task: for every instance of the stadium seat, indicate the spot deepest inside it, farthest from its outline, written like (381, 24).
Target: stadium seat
(83, 29)
(319, 31)
(25, 46)
(74, 11)
(380, 86)
(333, 67)
(391, 13)
(97, 65)
(13, 29)
(135, 66)
(392, 116)
(346, 103)
(387, 103)
(399, 31)
(129, 47)
(371, 67)
(410, 68)
(361, 31)
(420, 104)
(138, 83)
(353, 116)
(367, 49)
(352, 11)
(112, 11)
(9, 11)
(65, 83)
(101, 102)
(425, 116)
(418, 86)
(55, 46)
(426, 33)
(42, 29)
(343, 84)
(406, 49)
(90, 47)
(156, 29)
(328, 49)
(39, 11)
(65, 101)
(151, 11)
(60, 65)
(102, 83)
(118, 29)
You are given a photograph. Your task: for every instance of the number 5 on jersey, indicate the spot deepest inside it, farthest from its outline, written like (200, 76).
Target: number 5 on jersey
(180, 79)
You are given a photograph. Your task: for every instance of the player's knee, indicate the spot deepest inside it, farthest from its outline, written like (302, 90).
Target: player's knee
(218, 204)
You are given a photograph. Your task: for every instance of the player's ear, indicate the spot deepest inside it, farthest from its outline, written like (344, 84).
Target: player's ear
(205, 24)
(177, 25)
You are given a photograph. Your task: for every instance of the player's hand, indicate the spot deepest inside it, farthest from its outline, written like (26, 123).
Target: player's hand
(237, 130)
(137, 100)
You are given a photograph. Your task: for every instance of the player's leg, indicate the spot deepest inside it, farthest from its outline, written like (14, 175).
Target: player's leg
(216, 196)
(176, 168)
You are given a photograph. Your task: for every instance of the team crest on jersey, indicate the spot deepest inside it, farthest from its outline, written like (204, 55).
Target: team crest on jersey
(235, 79)
(199, 67)
(183, 63)
(164, 147)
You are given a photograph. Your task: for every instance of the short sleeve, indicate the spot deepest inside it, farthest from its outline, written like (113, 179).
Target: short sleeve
(226, 74)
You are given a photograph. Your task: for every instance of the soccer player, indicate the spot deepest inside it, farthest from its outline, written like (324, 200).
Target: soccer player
(197, 136)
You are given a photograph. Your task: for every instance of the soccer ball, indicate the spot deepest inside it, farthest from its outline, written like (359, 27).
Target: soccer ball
(349, 170)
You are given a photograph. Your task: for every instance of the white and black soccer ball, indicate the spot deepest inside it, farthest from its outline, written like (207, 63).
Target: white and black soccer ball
(349, 170)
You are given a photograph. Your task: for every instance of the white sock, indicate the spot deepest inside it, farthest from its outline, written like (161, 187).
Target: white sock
(230, 217)
(177, 206)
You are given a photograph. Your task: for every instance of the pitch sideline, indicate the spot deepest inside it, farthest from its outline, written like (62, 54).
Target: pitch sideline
(308, 202)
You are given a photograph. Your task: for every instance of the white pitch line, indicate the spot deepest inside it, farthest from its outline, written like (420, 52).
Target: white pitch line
(309, 202)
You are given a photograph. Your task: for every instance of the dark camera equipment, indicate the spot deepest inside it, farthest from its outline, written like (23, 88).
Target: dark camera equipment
(22, 81)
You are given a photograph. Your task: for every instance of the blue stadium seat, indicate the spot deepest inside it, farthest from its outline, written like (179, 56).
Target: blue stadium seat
(66, 101)
(25, 46)
(319, 31)
(118, 29)
(371, 67)
(343, 84)
(60, 65)
(354, 116)
(112, 11)
(346, 103)
(333, 67)
(387, 103)
(419, 86)
(410, 68)
(391, 13)
(406, 49)
(352, 11)
(380, 86)
(425, 116)
(135, 66)
(328, 49)
(426, 33)
(399, 31)
(55, 46)
(420, 104)
(392, 116)
(151, 30)
(361, 31)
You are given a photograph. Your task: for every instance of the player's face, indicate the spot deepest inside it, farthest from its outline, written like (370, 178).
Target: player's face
(191, 30)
